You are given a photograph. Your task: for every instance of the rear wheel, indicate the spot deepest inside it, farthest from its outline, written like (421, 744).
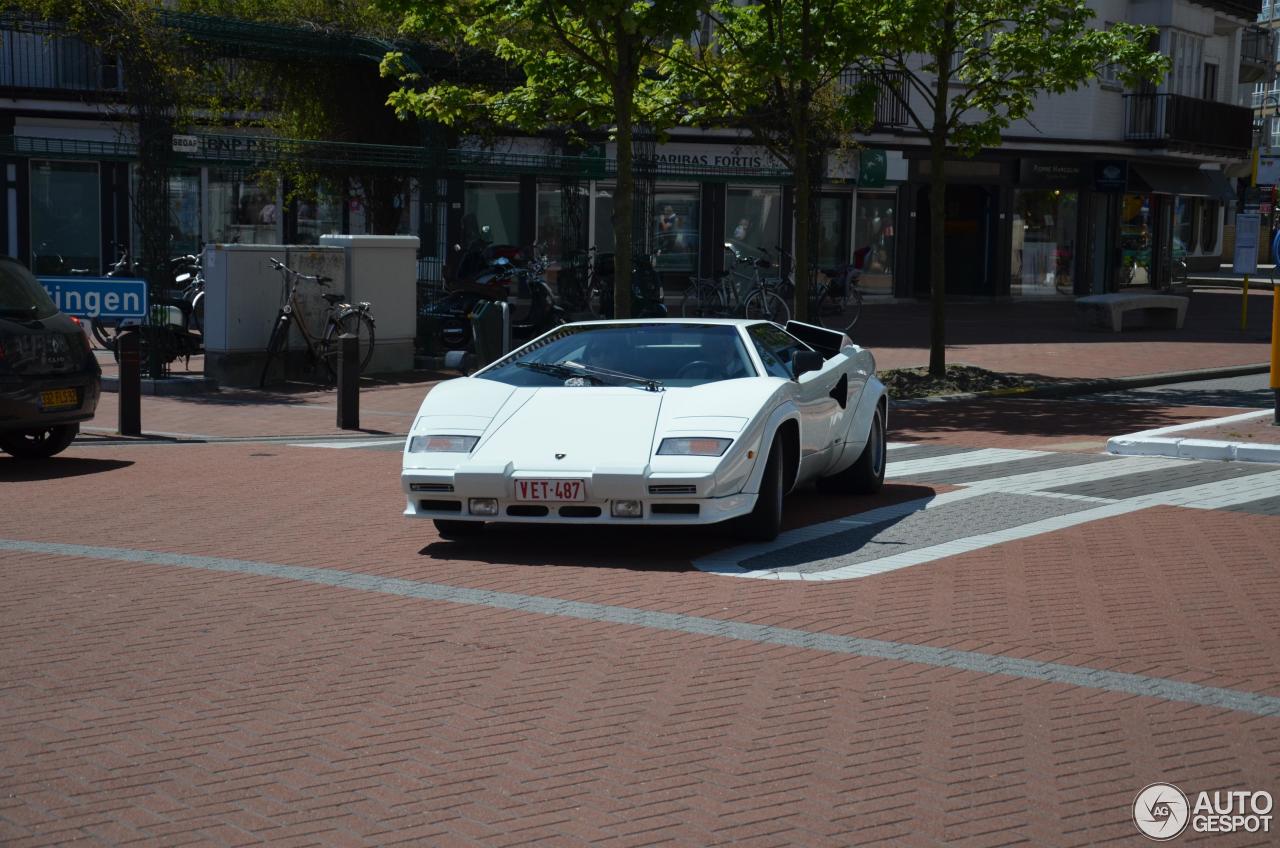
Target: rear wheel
(766, 306)
(852, 307)
(40, 443)
(827, 310)
(358, 324)
(104, 331)
(702, 301)
(764, 522)
(458, 529)
(279, 333)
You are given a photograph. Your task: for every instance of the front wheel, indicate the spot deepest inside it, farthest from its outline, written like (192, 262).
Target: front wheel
(40, 443)
(764, 522)
(279, 334)
(358, 324)
(766, 306)
(702, 301)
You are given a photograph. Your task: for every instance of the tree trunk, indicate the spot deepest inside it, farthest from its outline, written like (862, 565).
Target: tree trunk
(938, 258)
(623, 94)
(804, 220)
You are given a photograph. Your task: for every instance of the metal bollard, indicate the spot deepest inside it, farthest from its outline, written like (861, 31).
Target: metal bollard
(129, 415)
(1275, 352)
(348, 382)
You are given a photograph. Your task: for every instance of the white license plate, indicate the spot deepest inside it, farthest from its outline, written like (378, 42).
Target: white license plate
(550, 490)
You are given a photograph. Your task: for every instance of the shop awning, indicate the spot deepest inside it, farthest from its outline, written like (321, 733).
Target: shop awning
(1146, 178)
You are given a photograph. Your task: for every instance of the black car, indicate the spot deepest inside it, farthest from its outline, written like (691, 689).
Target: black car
(49, 378)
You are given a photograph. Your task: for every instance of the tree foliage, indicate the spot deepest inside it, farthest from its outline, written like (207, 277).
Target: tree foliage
(777, 68)
(977, 67)
(582, 66)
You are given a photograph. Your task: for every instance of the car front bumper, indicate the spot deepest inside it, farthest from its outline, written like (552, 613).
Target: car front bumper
(666, 499)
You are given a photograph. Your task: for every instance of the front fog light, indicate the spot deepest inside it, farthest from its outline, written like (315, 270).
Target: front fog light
(483, 506)
(626, 509)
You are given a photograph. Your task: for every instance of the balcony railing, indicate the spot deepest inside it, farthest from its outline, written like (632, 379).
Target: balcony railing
(45, 63)
(891, 90)
(1255, 45)
(1175, 120)
(1250, 10)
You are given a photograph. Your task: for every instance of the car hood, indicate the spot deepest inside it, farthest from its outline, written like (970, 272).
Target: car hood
(573, 429)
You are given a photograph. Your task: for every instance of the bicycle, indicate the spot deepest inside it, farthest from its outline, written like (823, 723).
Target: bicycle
(342, 317)
(837, 303)
(736, 294)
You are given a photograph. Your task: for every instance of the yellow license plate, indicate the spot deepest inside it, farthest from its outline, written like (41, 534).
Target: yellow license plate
(58, 398)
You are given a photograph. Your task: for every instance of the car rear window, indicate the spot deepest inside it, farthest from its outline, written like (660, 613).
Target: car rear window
(21, 296)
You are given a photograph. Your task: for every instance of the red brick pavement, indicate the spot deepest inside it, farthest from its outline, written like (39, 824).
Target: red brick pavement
(1041, 339)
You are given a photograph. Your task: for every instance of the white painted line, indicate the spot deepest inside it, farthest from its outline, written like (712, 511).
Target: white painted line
(951, 461)
(901, 445)
(1036, 481)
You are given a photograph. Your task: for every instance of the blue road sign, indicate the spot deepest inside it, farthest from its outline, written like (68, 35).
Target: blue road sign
(98, 297)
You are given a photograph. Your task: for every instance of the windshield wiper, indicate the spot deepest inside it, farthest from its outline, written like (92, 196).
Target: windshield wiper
(569, 368)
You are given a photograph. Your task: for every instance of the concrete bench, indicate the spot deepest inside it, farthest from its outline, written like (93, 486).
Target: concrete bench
(1154, 309)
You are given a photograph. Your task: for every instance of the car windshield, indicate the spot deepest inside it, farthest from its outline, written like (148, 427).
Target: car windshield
(647, 356)
(20, 295)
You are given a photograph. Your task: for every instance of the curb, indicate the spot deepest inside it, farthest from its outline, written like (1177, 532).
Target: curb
(1072, 388)
(1156, 443)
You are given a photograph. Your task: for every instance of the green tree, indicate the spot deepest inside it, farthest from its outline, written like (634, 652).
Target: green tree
(324, 82)
(978, 67)
(590, 63)
(777, 68)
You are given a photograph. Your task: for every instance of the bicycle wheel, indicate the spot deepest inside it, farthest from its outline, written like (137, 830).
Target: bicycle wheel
(826, 309)
(766, 306)
(279, 334)
(852, 307)
(702, 301)
(104, 331)
(351, 321)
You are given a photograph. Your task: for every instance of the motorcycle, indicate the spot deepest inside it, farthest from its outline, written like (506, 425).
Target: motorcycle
(498, 279)
(647, 296)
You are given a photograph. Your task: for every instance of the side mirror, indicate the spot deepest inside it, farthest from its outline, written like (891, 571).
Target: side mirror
(804, 361)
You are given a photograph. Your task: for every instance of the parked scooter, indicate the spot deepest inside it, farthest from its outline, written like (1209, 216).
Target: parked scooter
(647, 296)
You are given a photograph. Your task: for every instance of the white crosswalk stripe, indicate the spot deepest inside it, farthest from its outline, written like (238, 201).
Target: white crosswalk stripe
(964, 459)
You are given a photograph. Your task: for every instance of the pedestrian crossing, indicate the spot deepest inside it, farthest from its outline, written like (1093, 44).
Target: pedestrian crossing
(1003, 498)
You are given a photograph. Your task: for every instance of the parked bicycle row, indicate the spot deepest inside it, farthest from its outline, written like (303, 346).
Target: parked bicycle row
(752, 286)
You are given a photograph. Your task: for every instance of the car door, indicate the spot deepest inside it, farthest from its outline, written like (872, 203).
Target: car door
(816, 393)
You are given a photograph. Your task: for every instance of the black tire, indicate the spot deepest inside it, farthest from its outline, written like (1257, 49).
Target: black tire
(866, 475)
(40, 443)
(827, 311)
(197, 312)
(104, 332)
(348, 321)
(702, 301)
(449, 529)
(279, 333)
(764, 522)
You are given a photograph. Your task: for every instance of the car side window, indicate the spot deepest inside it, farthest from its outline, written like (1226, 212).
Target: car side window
(776, 347)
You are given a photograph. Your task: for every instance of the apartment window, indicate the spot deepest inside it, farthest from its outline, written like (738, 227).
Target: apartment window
(1110, 74)
(1186, 53)
(1210, 89)
(1275, 133)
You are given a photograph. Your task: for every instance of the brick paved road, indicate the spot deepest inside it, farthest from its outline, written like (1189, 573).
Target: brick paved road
(245, 642)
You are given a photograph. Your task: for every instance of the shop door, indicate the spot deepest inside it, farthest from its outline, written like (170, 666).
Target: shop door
(970, 241)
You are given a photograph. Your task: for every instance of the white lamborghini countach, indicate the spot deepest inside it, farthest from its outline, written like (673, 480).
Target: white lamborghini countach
(664, 421)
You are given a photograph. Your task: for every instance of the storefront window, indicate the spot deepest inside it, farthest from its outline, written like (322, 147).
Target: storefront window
(66, 214)
(1135, 239)
(1209, 215)
(753, 218)
(833, 231)
(242, 211)
(318, 215)
(1044, 242)
(675, 239)
(1186, 216)
(493, 205)
(393, 219)
(562, 227)
(184, 212)
(873, 242)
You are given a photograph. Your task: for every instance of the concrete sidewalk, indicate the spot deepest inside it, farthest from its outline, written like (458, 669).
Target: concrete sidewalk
(1037, 340)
